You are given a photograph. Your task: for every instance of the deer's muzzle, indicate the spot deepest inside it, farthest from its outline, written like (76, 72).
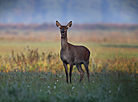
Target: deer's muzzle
(63, 33)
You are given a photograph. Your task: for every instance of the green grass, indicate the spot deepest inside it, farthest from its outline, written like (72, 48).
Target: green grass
(113, 74)
(98, 50)
(8, 46)
(43, 87)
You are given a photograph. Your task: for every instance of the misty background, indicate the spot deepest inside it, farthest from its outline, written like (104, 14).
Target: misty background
(79, 11)
(100, 21)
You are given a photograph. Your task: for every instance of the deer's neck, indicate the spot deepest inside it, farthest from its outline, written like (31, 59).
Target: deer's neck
(64, 43)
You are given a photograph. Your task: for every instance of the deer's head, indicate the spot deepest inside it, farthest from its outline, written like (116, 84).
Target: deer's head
(63, 29)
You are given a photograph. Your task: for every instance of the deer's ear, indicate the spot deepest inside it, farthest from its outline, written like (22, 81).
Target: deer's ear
(69, 24)
(58, 24)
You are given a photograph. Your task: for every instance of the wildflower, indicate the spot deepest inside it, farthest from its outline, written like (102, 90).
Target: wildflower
(55, 83)
(72, 88)
(10, 56)
(60, 76)
(54, 87)
(84, 83)
(93, 61)
(27, 48)
(57, 80)
(118, 88)
(48, 87)
(93, 81)
(49, 91)
(109, 91)
(40, 90)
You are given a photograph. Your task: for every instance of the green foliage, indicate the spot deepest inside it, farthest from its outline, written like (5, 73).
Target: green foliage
(33, 76)
(34, 87)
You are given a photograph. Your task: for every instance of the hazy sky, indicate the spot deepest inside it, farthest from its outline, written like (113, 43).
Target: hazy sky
(79, 11)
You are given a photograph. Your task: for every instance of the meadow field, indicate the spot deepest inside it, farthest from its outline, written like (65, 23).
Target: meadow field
(31, 69)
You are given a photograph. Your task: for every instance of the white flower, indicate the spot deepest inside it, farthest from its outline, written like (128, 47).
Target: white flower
(60, 76)
(26, 48)
(10, 56)
(93, 61)
(49, 91)
(54, 87)
(48, 87)
(72, 88)
(109, 91)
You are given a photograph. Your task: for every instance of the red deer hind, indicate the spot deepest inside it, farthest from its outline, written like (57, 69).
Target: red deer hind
(73, 55)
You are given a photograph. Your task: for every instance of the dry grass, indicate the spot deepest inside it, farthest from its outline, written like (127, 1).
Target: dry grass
(98, 36)
(36, 73)
(31, 60)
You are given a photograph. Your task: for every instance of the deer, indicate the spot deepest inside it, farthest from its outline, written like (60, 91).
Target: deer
(72, 54)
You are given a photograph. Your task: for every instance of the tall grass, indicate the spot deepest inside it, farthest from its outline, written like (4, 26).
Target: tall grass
(39, 77)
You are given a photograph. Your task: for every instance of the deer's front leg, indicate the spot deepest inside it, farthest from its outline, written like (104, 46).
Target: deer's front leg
(66, 71)
(70, 73)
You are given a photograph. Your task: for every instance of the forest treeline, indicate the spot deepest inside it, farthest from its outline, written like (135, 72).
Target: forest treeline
(46, 26)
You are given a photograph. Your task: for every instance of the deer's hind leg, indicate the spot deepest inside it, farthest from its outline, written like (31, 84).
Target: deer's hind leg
(87, 70)
(80, 70)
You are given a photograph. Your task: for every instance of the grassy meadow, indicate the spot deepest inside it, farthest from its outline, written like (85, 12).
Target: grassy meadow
(31, 69)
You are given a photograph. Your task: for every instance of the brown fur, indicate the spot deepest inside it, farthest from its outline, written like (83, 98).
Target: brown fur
(72, 54)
